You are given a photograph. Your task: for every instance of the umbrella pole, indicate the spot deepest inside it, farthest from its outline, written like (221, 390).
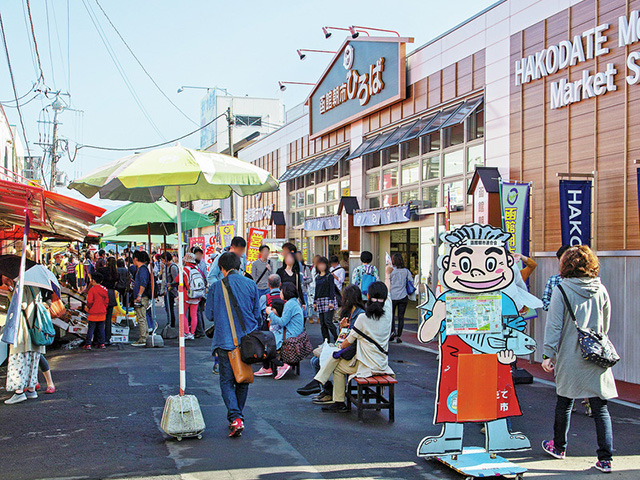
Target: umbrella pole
(183, 379)
(152, 327)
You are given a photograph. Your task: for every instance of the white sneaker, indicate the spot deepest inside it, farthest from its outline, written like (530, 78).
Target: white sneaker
(16, 398)
(31, 395)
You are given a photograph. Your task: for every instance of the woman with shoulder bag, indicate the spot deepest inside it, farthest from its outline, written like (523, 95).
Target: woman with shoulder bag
(580, 301)
(400, 278)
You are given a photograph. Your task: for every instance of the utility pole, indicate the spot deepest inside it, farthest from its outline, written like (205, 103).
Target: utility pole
(58, 106)
(231, 122)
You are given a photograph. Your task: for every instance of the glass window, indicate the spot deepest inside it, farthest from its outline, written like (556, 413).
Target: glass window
(321, 176)
(431, 167)
(309, 180)
(320, 211)
(332, 209)
(311, 212)
(374, 202)
(321, 194)
(373, 182)
(389, 199)
(345, 187)
(475, 124)
(456, 193)
(453, 163)
(292, 202)
(410, 196)
(332, 173)
(344, 167)
(453, 135)
(410, 149)
(300, 202)
(431, 196)
(475, 157)
(311, 197)
(299, 183)
(299, 217)
(390, 155)
(431, 142)
(333, 192)
(410, 173)
(390, 178)
(372, 160)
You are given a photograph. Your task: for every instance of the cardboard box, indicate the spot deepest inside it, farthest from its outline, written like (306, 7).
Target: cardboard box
(118, 330)
(119, 338)
(78, 329)
(60, 324)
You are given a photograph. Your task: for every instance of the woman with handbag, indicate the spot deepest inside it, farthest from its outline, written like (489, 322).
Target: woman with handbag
(581, 302)
(289, 326)
(401, 281)
(24, 355)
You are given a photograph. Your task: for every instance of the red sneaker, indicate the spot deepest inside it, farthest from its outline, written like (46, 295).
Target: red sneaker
(102, 346)
(87, 347)
(37, 387)
(235, 428)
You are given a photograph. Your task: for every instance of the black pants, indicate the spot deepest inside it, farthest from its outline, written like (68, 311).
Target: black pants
(200, 324)
(327, 326)
(72, 280)
(172, 309)
(44, 365)
(107, 325)
(273, 364)
(604, 431)
(401, 306)
(98, 328)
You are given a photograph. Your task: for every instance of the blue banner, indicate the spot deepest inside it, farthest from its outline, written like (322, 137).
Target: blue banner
(514, 203)
(383, 216)
(575, 212)
(331, 222)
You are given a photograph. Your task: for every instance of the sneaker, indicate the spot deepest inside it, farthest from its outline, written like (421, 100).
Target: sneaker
(37, 387)
(216, 369)
(550, 448)
(263, 372)
(337, 407)
(282, 371)
(102, 346)
(86, 347)
(398, 340)
(323, 400)
(310, 388)
(31, 395)
(140, 343)
(235, 428)
(16, 398)
(189, 336)
(604, 466)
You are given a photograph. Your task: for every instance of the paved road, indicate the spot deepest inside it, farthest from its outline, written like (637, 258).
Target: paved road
(104, 423)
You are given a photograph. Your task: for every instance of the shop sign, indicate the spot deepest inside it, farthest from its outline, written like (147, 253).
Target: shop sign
(256, 236)
(227, 232)
(480, 204)
(383, 216)
(322, 223)
(514, 202)
(196, 242)
(344, 230)
(258, 214)
(364, 76)
(575, 212)
(580, 49)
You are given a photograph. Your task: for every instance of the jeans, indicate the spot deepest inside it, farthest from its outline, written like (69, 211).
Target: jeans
(200, 325)
(327, 326)
(98, 328)
(169, 306)
(401, 306)
(315, 363)
(604, 430)
(234, 394)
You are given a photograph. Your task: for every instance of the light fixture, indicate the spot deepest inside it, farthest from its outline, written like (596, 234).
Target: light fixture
(353, 32)
(303, 55)
(223, 90)
(326, 32)
(283, 85)
(359, 27)
(180, 90)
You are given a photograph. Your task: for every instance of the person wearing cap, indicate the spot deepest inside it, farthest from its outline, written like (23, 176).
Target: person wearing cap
(192, 294)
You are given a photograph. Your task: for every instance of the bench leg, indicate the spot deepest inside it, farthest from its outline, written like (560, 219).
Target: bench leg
(378, 395)
(360, 400)
(392, 403)
(348, 395)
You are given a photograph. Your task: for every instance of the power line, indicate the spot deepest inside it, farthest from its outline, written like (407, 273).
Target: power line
(119, 67)
(69, 44)
(53, 75)
(35, 42)
(95, 147)
(142, 67)
(55, 24)
(13, 84)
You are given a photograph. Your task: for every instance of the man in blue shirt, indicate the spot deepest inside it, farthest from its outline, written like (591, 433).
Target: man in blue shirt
(141, 292)
(245, 291)
(238, 246)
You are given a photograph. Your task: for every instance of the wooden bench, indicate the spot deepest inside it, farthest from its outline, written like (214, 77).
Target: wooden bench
(368, 393)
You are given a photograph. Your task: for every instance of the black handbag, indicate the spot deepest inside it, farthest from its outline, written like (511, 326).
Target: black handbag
(257, 346)
(594, 346)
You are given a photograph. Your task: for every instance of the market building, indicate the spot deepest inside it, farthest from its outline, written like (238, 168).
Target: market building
(530, 91)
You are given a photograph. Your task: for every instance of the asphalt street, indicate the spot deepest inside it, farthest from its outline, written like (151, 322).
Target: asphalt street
(103, 422)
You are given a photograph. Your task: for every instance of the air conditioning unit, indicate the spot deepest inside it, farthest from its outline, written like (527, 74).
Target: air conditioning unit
(61, 179)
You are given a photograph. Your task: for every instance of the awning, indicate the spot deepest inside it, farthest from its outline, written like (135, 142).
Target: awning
(463, 112)
(311, 166)
(54, 215)
(330, 222)
(362, 147)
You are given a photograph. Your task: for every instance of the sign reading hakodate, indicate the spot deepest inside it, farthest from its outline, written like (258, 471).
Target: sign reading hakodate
(569, 53)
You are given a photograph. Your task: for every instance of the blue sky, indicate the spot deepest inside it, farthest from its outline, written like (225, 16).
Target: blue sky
(244, 46)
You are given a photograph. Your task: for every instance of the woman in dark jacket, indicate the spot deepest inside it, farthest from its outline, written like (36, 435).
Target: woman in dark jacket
(290, 273)
(109, 280)
(325, 299)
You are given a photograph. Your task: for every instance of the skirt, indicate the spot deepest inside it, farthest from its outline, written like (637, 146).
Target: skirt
(22, 371)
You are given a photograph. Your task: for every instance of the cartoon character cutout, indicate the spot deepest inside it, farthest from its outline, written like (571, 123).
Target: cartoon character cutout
(476, 265)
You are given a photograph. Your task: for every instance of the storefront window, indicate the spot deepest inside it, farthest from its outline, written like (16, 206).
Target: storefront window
(453, 135)
(410, 173)
(410, 149)
(411, 196)
(344, 167)
(373, 182)
(453, 163)
(299, 183)
(309, 180)
(456, 193)
(333, 192)
(292, 202)
(431, 143)
(321, 176)
(475, 124)
(299, 218)
(372, 160)
(390, 155)
(374, 202)
(431, 196)
(390, 178)
(321, 194)
(332, 173)
(311, 197)
(332, 209)
(311, 212)
(345, 188)
(389, 199)
(431, 167)
(320, 211)
(475, 157)
(300, 202)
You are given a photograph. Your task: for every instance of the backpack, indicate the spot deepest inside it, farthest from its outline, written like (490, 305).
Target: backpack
(197, 287)
(367, 278)
(42, 333)
(275, 302)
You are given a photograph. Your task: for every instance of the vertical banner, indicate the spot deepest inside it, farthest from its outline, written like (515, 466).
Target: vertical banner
(227, 232)
(344, 230)
(575, 212)
(196, 242)
(209, 248)
(514, 203)
(638, 187)
(447, 210)
(256, 236)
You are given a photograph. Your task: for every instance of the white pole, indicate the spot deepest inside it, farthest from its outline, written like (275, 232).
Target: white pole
(183, 379)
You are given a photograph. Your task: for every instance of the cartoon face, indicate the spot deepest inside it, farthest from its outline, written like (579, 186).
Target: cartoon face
(477, 269)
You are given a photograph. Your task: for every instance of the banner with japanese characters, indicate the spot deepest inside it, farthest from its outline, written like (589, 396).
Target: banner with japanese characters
(227, 232)
(514, 203)
(575, 212)
(196, 242)
(256, 236)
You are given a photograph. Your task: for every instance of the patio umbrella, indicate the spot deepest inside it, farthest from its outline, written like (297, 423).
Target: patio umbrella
(177, 174)
(110, 235)
(41, 277)
(10, 265)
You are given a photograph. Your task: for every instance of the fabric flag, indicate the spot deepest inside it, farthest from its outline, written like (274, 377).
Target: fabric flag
(256, 236)
(514, 203)
(575, 212)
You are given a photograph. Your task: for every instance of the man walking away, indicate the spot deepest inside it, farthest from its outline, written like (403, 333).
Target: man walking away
(365, 274)
(141, 291)
(553, 281)
(260, 270)
(245, 293)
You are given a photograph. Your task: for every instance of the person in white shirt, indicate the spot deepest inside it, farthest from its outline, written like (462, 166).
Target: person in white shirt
(338, 273)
